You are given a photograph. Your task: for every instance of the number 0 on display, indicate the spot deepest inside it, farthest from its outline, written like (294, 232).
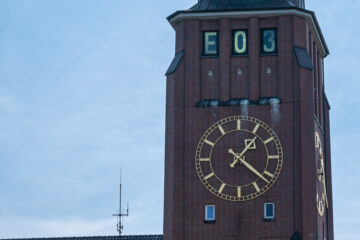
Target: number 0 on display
(240, 45)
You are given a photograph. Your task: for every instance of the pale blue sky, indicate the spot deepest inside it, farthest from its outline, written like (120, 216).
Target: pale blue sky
(82, 93)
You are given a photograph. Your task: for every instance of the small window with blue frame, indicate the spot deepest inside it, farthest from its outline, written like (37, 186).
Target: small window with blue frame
(239, 42)
(268, 41)
(269, 211)
(210, 43)
(210, 214)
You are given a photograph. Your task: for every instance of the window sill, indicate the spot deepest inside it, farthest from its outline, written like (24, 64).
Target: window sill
(269, 219)
(209, 221)
(209, 56)
(268, 54)
(239, 55)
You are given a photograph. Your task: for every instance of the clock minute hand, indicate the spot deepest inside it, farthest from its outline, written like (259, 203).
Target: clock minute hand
(248, 165)
(325, 192)
(243, 152)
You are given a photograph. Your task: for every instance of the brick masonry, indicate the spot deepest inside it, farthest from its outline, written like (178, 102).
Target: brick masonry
(302, 111)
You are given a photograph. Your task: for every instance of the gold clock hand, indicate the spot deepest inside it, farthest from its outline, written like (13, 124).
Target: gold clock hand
(247, 147)
(248, 165)
(325, 192)
(243, 152)
(323, 180)
(232, 165)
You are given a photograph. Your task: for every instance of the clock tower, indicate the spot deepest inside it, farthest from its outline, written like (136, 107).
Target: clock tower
(247, 124)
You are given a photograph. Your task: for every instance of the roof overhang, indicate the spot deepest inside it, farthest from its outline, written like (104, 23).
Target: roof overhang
(243, 13)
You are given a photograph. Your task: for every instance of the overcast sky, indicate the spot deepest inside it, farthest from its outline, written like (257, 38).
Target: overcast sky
(82, 93)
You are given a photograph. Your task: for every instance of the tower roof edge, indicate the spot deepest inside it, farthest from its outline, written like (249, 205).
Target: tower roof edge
(241, 5)
(211, 5)
(203, 5)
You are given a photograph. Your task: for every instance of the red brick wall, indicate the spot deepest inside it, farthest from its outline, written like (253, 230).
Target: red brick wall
(295, 190)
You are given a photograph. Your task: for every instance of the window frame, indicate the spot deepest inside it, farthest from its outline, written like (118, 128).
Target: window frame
(262, 50)
(266, 217)
(204, 54)
(233, 52)
(207, 219)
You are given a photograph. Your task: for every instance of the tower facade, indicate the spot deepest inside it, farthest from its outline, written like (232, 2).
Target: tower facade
(247, 124)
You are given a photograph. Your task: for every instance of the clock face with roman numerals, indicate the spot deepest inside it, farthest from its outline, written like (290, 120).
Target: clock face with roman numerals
(239, 158)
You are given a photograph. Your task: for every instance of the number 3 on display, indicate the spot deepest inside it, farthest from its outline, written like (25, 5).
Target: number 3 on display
(268, 44)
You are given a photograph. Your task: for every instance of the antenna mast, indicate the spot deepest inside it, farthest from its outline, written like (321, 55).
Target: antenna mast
(120, 215)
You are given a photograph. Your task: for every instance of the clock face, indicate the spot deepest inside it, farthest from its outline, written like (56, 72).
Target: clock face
(239, 158)
(321, 196)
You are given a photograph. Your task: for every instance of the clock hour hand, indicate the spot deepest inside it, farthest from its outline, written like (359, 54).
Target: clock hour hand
(251, 168)
(232, 165)
(247, 147)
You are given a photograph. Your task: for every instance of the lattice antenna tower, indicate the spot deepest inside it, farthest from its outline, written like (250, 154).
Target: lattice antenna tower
(120, 214)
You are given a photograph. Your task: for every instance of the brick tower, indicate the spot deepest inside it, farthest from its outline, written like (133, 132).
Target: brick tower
(247, 124)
